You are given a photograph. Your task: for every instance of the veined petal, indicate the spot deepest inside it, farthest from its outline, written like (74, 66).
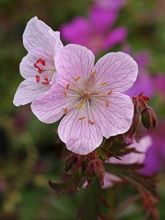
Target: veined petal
(29, 90)
(114, 115)
(27, 69)
(118, 70)
(135, 157)
(39, 37)
(79, 133)
(52, 105)
(74, 63)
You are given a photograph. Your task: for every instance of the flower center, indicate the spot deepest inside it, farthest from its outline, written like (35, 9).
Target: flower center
(86, 95)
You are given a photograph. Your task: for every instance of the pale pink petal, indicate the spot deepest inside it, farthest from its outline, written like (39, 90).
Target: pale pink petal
(110, 180)
(52, 105)
(27, 69)
(39, 38)
(114, 115)
(135, 157)
(78, 132)
(74, 62)
(28, 90)
(118, 70)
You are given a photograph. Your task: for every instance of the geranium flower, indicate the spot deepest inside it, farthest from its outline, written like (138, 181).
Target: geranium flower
(96, 31)
(89, 97)
(144, 83)
(159, 82)
(155, 159)
(137, 157)
(110, 4)
(37, 67)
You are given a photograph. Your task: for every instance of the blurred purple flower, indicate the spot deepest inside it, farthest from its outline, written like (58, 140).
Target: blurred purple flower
(155, 159)
(144, 83)
(159, 82)
(96, 30)
(110, 4)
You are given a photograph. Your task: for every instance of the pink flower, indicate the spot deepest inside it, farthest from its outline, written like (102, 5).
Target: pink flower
(159, 81)
(89, 97)
(110, 4)
(145, 82)
(96, 31)
(137, 157)
(37, 67)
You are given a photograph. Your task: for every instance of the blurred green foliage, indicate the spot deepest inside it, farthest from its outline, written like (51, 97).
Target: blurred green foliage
(30, 152)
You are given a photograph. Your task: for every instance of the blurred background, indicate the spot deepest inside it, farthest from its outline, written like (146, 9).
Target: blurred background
(30, 152)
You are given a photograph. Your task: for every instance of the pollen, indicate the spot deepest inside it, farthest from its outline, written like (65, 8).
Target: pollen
(38, 63)
(91, 122)
(109, 92)
(77, 78)
(107, 103)
(65, 94)
(65, 111)
(46, 81)
(41, 61)
(37, 77)
(81, 118)
(67, 86)
(103, 84)
(93, 74)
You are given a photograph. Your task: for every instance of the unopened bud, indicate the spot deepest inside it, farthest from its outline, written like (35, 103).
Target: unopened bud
(140, 102)
(135, 127)
(96, 168)
(149, 118)
(70, 161)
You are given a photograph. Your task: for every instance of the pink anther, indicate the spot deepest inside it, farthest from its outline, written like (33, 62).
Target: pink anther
(37, 78)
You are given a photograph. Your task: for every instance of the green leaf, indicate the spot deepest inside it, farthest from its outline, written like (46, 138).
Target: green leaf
(90, 204)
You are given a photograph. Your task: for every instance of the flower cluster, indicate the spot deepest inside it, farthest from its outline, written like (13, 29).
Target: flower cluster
(65, 82)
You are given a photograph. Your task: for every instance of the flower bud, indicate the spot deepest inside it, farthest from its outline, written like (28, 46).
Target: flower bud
(140, 102)
(96, 168)
(135, 127)
(71, 161)
(149, 118)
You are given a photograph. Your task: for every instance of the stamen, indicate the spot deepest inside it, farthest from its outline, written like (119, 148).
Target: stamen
(81, 104)
(93, 74)
(37, 67)
(65, 94)
(37, 78)
(103, 84)
(107, 103)
(46, 81)
(65, 111)
(109, 92)
(77, 78)
(81, 118)
(91, 122)
(39, 61)
(67, 86)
